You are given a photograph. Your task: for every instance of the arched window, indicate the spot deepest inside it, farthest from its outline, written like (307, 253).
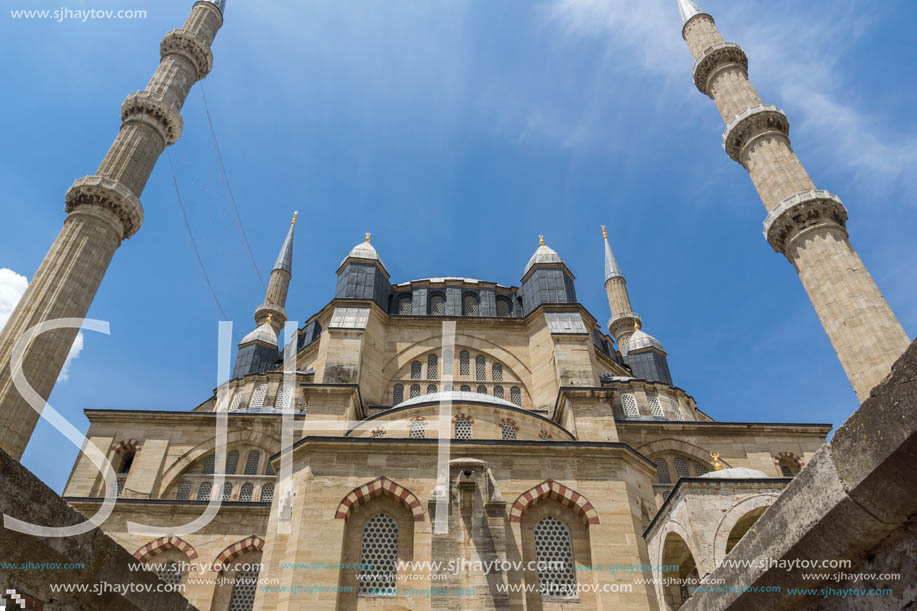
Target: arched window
(227, 492)
(236, 402)
(480, 368)
(465, 388)
(380, 555)
(498, 392)
(418, 429)
(470, 305)
(463, 428)
(244, 588)
(503, 308)
(170, 573)
(251, 462)
(679, 415)
(655, 405)
(515, 396)
(267, 493)
(415, 390)
(508, 431)
(496, 372)
(245, 493)
(438, 305)
(701, 470)
(482, 390)
(209, 464)
(432, 367)
(415, 370)
(203, 493)
(554, 555)
(431, 389)
(270, 469)
(404, 305)
(184, 491)
(232, 461)
(464, 363)
(681, 467)
(629, 403)
(398, 394)
(662, 472)
(126, 460)
(258, 396)
(284, 398)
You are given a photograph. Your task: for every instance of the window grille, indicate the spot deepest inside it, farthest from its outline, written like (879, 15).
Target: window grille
(418, 429)
(509, 431)
(170, 573)
(630, 405)
(227, 492)
(515, 396)
(482, 390)
(464, 363)
(438, 305)
(480, 368)
(203, 493)
(251, 462)
(470, 305)
(380, 555)
(415, 390)
(245, 493)
(432, 367)
(431, 389)
(378, 433)
(236, 402)
(258, 396)
(122, 479)
(498, 392)
(465, 388)
(267, 492)
(496, 372)
(681, 467)
(284, 398)
(270, 469)
(415, 370)
(554, 552)
(662, 472)
(209, 464)
(398, 394)
(232, 461)
(503, 309)
(463, 428)
(655, 405)
(184, 491)
(244, 588)
(679, 415)
(700, 470)
(404, 306)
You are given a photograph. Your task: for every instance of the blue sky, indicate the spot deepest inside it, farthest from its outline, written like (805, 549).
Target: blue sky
(456, 132)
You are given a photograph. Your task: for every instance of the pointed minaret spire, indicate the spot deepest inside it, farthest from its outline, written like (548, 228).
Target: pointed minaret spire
(276, 298)
(611, 264)
(623, 320)
(688, 9)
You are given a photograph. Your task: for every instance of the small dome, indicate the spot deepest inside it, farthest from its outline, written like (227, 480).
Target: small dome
(264, 334)
(737, 473)
(363, 250)
(544, 254)
(639, 340)
(456, 396)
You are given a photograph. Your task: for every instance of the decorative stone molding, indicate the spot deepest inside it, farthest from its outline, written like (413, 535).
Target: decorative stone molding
(717, 57)
(800, 212)
(110, 195)
(253, 543)
(144, 107)
(788, 457)
(560, 493)
(126, 446)
(750, 124)
(363, 494)
(188, 45)
(148, 551)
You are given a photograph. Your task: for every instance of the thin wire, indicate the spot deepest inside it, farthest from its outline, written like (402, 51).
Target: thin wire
(232, 200)
(197, 253)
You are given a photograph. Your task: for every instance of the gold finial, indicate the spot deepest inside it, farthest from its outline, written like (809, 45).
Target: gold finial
(270, 318)
(636, 325)
(541, 240)
(368, 235)
(295, 214)
(604, 233)
(717, 466)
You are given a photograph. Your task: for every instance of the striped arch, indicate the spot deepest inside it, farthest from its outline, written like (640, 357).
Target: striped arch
(163, 544)
(126, 445)
(253, 543)
(362, 495)
(558, 492)
(789, 457)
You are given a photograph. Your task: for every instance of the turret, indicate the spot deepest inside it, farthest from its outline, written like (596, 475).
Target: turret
(546, 279)
(362, 275)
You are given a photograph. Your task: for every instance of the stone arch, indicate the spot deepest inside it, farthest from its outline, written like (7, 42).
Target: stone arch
(252, 543)
(736, 513)
(362, 494)
(558, 492)
(676, 553)
(399, 360)
(177, 468)
(788, 457)
(163, 544)
(678, 446)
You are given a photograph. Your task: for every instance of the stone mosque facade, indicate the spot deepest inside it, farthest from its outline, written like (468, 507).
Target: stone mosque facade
(571, 446)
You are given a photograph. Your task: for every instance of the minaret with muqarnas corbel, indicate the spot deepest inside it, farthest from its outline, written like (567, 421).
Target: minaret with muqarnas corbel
(805, 224)
(103, 210)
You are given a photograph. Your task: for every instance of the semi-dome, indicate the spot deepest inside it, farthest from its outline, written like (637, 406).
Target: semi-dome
(543, 254)
(639, 340)
(456, 396)
(737, 473)
(263, 333)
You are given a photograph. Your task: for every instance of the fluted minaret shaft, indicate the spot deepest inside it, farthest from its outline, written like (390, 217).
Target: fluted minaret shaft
(623, 319)
(806, 225)
(103, 210)
(275, 299)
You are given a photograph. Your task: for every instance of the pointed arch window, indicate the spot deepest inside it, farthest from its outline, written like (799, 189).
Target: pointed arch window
(496, 372)
(515, 396)
(236, 402)
(629, 403)
(203, 493)
(245, 493)
(679, 415)
(398, 394)
(245, 587)
(662, 472)
(681, 467)
(251, 462)
(415, 370)
(480, 368)
(209, 464)
(227, 492)
(655, 405)
(470, 305)
(184, 491)
(432, 367)
(438, 305)
(404, 305)
(380, 552)
(503, 308)
(498, 392)
(170, 573)
(464, 363)
(284, 398)
(554, 554)
(415, 391)
(267, 493)
(258, 396)
(232, 461)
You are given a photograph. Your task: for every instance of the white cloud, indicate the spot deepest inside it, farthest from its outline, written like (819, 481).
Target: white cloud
(12, 288)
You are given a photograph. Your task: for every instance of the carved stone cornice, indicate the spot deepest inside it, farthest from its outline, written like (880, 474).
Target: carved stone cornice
(144, 107)
(110, 195)
(716, 58)
(800, 212)
(190, 46)
(751, 124)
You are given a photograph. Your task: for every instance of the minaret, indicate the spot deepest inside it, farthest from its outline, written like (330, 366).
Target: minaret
(806, 225)
(103, 210)
(623, 320)
(258, 350)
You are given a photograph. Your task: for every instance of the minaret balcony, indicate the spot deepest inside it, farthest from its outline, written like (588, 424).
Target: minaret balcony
(716, 58)
(750, 125)
(800, 212)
